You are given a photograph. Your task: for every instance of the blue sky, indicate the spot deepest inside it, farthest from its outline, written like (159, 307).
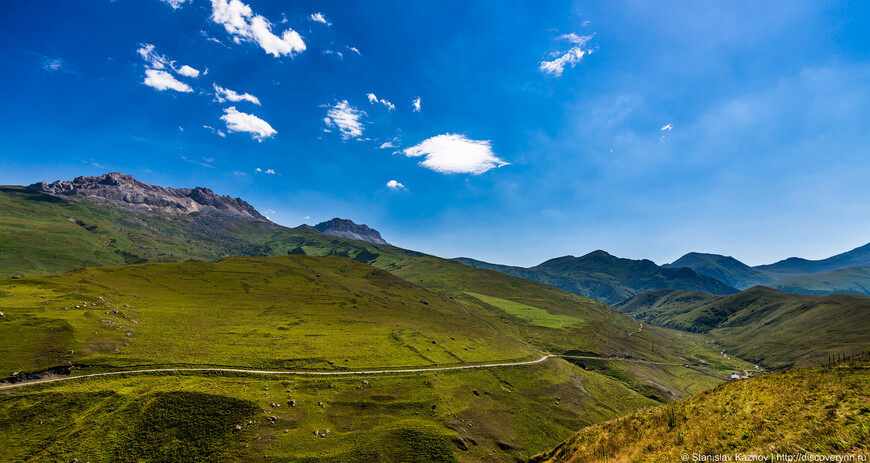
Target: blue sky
(647, 129)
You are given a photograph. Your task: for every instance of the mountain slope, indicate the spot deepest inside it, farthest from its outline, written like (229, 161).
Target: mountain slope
(661, 307)
(723, 268)
(603, 277)
(795, 266)
(797, 413)
(763, 325)
(852, 280)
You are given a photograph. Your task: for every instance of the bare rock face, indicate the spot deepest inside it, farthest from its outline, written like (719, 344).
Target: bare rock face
(347, 229)
(128, 193)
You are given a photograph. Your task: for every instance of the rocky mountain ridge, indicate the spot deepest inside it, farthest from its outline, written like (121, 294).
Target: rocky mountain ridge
(128, 193)
(348, 229)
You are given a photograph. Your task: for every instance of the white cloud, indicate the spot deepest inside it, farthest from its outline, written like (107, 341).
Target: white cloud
(175, 4)
(187, 71)
(346, 118)
(225, 94)
(416, 104)
(267, 171)
(337, 53)
(394, 185)
(386, 145)
(373, 99)
(241, 22)
(243, 122)
(318, 17)
(668, 127)
(270, 171)
(156, 75)
(571, 57)
(258, 170)
(162, 80)
(456, 154)
(353, 49)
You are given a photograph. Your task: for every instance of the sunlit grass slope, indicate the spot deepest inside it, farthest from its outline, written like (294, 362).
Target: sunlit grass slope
(294, 312)
(502, 414)
(797, 412)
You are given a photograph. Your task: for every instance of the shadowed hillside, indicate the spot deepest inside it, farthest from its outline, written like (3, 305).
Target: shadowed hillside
(763, 325)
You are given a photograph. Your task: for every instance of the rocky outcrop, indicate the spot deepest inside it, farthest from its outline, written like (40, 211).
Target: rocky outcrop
(347, 229)
(131, 194)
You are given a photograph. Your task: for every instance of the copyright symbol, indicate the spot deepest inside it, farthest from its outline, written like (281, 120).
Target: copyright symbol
(684, 457)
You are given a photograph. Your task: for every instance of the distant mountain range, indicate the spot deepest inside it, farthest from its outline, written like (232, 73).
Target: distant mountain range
(845, 273)
(603, 277)
(609, 279)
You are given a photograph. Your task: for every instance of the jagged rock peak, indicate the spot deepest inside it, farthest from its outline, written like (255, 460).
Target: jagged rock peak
(347, 229)
(128, 193)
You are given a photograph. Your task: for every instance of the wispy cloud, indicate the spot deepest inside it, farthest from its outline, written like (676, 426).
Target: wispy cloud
(215, 131)
(373, 99)
(266, 171)
(456, 154)
(395, 186)
(318, 17)
(668, 127)
(346, 118)
(240, 21)
(162, 80)
(55, 65)
(175, 4)
(571, 57)
(354, 49)
(416, 104)
(336, 53)
(225, 94)
(199, 163)
(387, 145)
(238, 121)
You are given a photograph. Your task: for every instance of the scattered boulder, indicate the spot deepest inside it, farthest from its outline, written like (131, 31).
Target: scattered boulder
(2, 315)
(476, 392)
(237, 428)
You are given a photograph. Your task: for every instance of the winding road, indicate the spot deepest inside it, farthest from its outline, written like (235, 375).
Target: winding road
(328, 373)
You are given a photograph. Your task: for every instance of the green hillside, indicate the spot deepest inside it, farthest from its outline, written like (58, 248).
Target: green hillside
(763, 325)
(42, 234)
(798, 412)
(852, 280)
(320, 315)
